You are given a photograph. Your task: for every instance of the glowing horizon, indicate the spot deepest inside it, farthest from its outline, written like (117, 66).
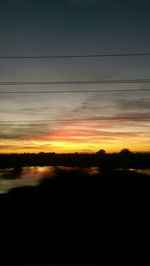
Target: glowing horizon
(111, 134)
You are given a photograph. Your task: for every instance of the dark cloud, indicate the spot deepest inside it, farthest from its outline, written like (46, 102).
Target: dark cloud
(119, 107)
(6, 146)
(23, 131)
(141, 104)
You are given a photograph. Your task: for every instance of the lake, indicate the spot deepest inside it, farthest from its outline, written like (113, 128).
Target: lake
(31, 176)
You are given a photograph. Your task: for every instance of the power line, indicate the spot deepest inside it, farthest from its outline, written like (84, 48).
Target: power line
(77, 82)
(73, 91)
(75, 56)
(81, 91)
(73, 82)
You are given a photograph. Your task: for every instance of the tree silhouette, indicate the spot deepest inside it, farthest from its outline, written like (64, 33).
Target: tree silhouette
(125, 151)
(101, 152)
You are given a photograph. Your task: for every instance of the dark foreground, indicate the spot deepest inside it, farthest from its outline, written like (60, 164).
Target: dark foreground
(77, 218)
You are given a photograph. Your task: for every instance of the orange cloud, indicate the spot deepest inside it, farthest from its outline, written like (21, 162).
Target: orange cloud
(111, 133)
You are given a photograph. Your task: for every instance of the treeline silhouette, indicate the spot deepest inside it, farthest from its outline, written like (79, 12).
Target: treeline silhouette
(124, 159)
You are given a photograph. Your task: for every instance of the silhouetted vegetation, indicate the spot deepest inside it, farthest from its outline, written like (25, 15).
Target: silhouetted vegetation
(124, 159)
(109, 206)
(76, 206)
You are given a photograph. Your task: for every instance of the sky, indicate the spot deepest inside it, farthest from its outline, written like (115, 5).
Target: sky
(74, 122)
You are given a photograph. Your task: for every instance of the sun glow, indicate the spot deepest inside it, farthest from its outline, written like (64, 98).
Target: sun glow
(69, 146)
(78, 137)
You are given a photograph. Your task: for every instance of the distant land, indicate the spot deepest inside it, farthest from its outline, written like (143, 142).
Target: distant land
(124, 159)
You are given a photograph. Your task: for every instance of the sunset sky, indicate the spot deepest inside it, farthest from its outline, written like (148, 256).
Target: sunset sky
(70, 122)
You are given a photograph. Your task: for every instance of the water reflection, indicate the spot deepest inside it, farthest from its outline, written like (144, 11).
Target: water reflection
(25, 176)
(141, 171)
(85, 170)
(31, 176)
(11, 173)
